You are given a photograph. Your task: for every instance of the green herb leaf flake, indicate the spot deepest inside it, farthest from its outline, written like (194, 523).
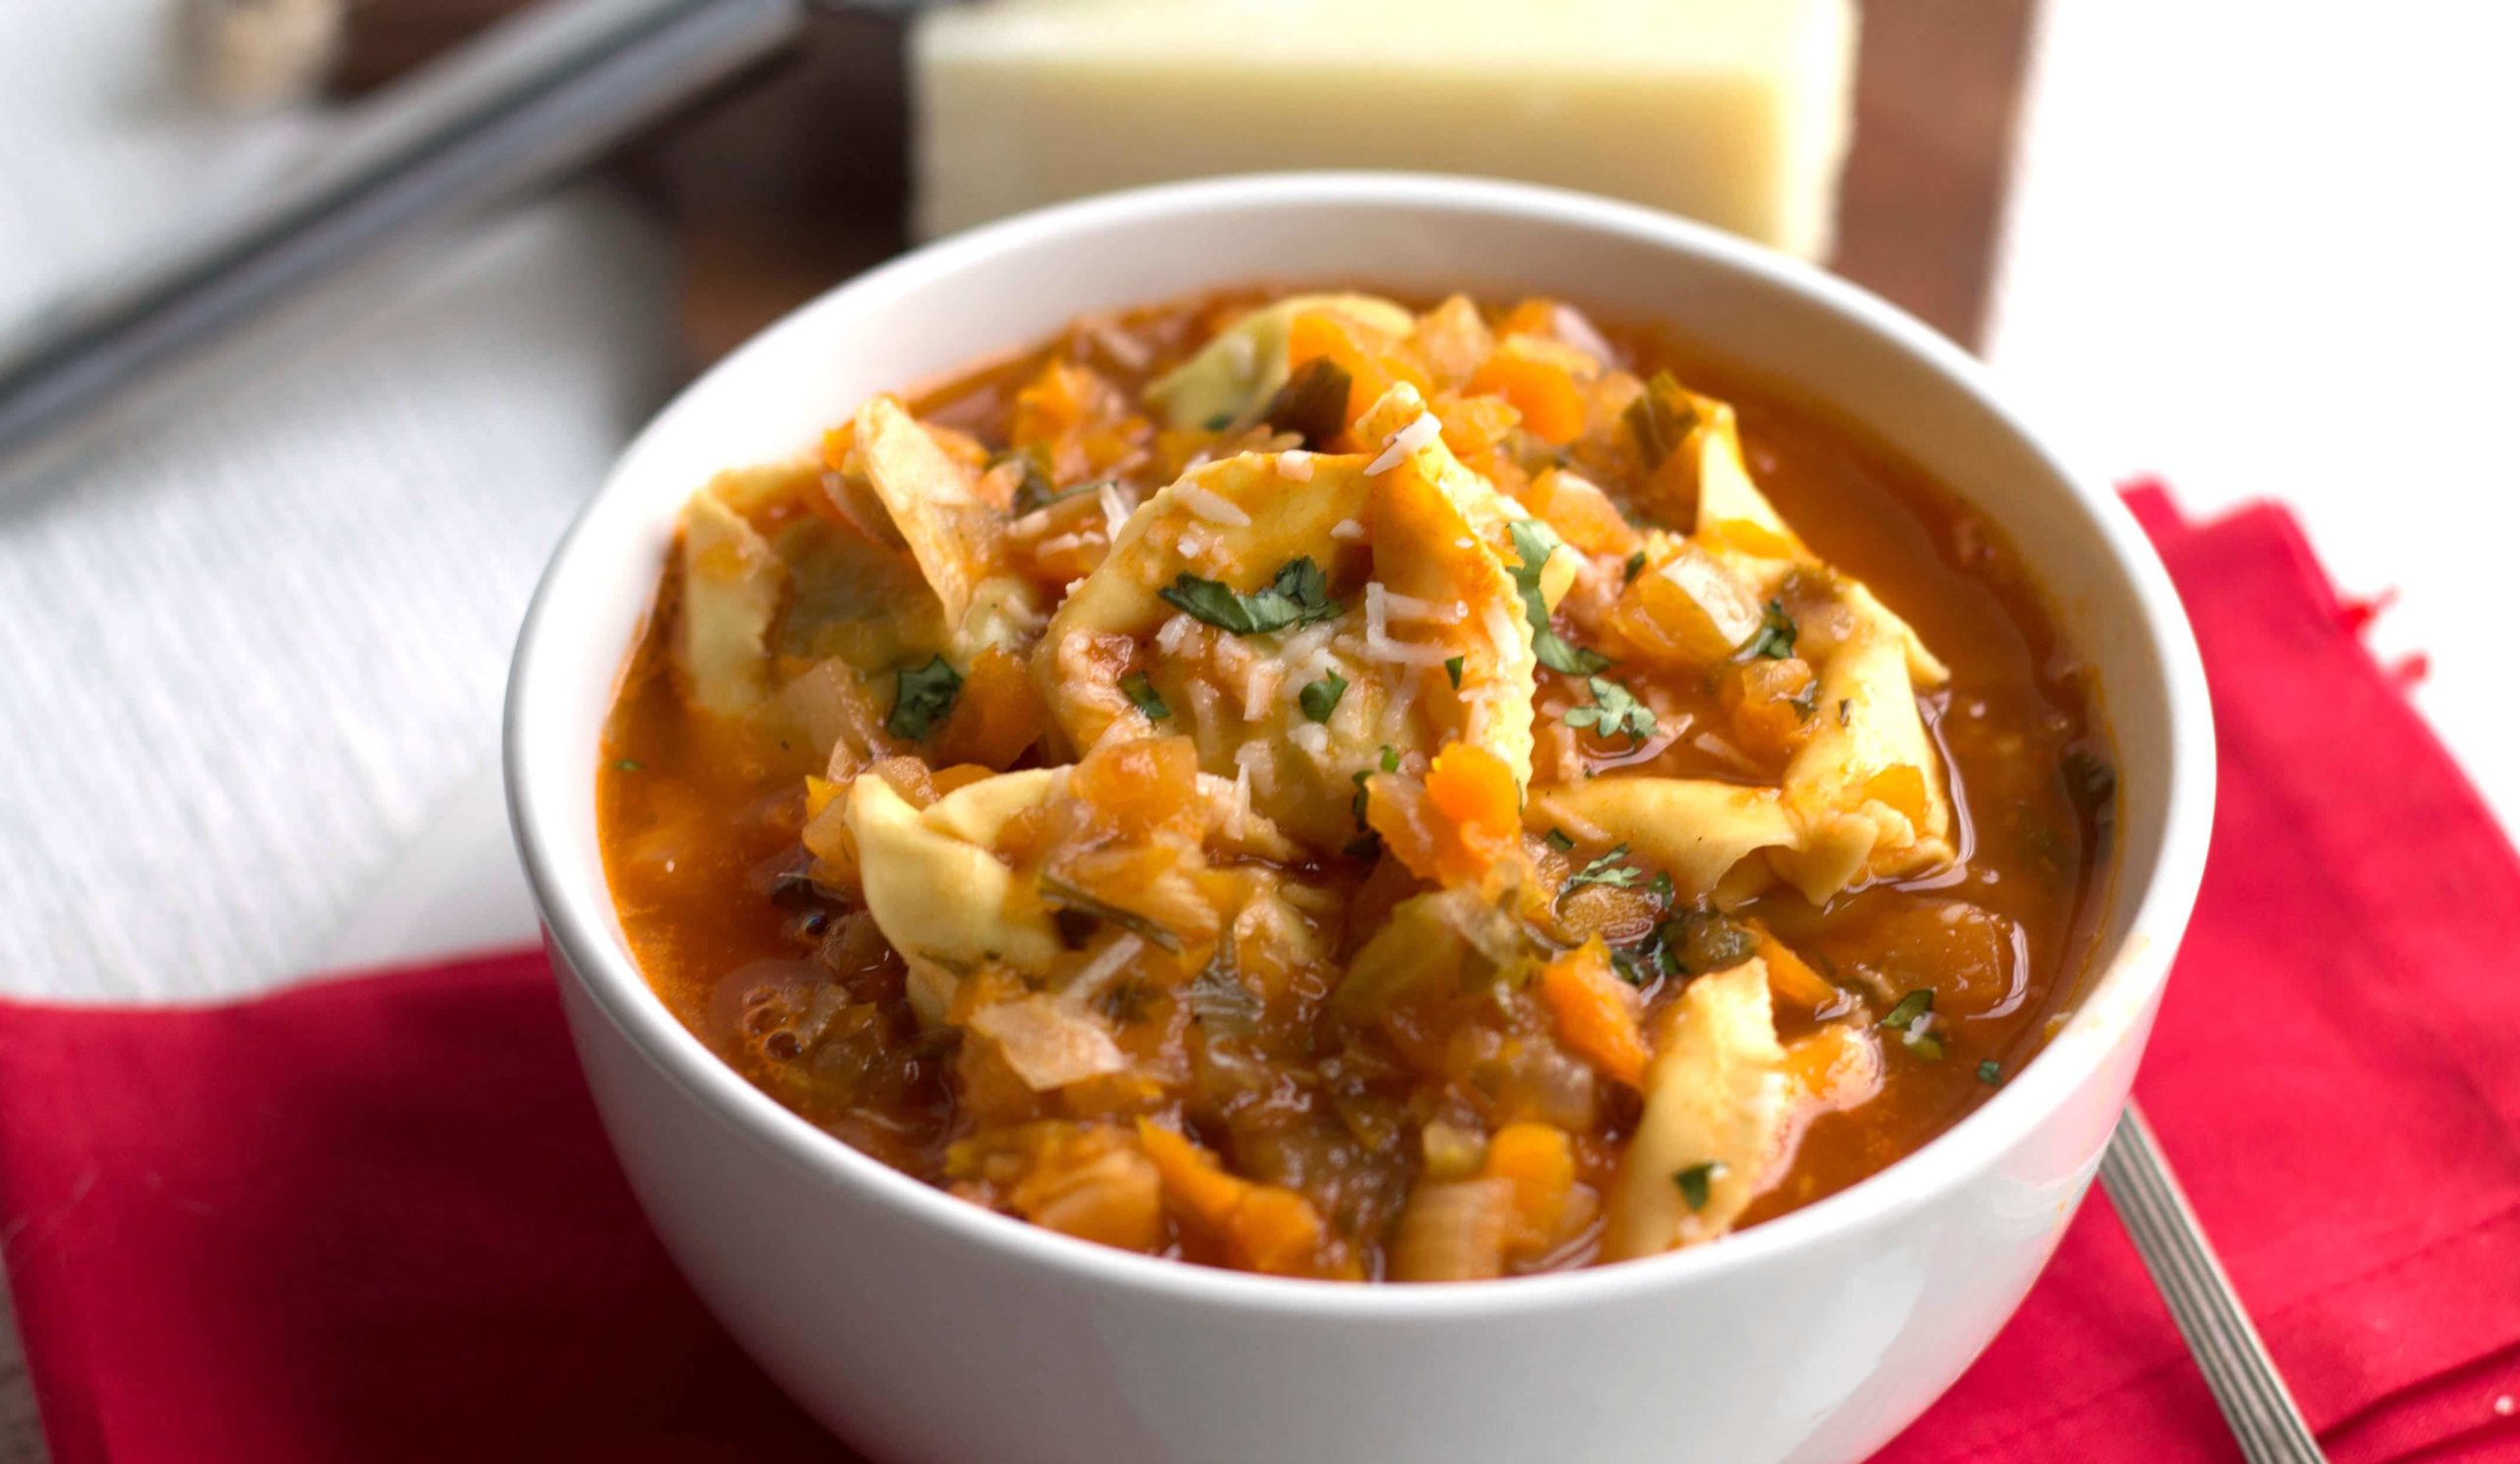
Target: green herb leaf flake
(1141, 691)
(629, 765)
(1299, 595)
(1609, 869)
(1321, 698)
(922, 696)
(1774, 638)
(1696, 1181)
(1532, 544)
(1559, 840)
(1452, 668)
(1991, 1072)
(1635, 566)
(1063, 895)
(1615, 712)
(1915, 1004)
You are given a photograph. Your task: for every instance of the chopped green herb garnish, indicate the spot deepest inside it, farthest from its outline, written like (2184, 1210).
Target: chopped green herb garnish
(1846, 712)
(1925, 1044)
(1033, 485)
(1615, 712)
(1065, 896)
(1660, 418)
(1774, 638)
(1915, 1004)
(1390, 758)
(1532, 544)
(1635, 566)
(1142, 692)
(1299, 596)
(1704, 941)
(1313, 404)
(1219, 421)
(1695, 1181)
(922, 696)
(1806, 701)
(1991, 1072)
(1452, 668)
(1660, 887)
(1559, 840)
(1390, 761)
(629, 765)
(1216, 997)
(1321, 698)
(2092, 781)
(1609, 869)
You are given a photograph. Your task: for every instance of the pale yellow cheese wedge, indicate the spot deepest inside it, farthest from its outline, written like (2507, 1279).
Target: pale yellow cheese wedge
(1733, 111)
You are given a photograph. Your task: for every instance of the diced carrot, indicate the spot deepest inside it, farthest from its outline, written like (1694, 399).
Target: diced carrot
(837, 443)
(1765, 699)
(1537, 316)
(821, 794)
(998, 713)
(1373, 361)
(1474, 426)
(1141, 784)
(1544, 391)
(1538, 1161)
(1458, 824)
(1262, 1226)
(960, 775)
(1596, 1012)
(1582, 514)
(1091, 1183)
(1790, 978)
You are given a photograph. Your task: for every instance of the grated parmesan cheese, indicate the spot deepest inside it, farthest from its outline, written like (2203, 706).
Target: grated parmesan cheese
(1578, 331)
(1172, 633)
(1296, 465)
(1400, 446)
(1061, 545)
(1346, 531)
(1259, 687)
(1208, 504)
(1411, 607)
(1238, 812)
(1312, 738)
(1379, 646)
(1253, 758)
(1504, 630)
(1116, 512)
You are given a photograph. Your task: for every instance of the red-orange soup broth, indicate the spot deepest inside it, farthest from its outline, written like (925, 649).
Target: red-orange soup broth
(1346, 789)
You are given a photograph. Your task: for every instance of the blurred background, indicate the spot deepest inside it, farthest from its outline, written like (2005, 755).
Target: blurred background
(255, 624)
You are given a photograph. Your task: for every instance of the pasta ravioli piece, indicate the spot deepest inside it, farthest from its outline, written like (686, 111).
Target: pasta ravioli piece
(928, 494)
(1234, 376)
(1418, 637)
(1696, 830)
(1714, 1105)
(731, 585)
(1869, 786)
(940, 893)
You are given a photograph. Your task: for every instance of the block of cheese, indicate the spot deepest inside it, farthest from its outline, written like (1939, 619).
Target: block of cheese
(1733, 111)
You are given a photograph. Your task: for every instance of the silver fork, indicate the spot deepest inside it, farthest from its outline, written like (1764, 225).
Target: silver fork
(2226, 1348)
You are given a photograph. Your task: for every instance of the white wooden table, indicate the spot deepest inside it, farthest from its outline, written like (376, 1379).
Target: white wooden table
(2267, 250)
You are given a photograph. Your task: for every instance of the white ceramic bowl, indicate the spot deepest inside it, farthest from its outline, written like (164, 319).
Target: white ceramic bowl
(925, 1329)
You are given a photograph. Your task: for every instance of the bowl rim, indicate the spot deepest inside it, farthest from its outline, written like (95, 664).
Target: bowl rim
(574, 903)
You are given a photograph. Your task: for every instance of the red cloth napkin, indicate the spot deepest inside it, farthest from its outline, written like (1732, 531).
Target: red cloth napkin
(375, 1219)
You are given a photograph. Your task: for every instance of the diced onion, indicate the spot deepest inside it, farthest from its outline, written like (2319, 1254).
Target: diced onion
(1346, 531)
(1296, 465)
(1049, 1042)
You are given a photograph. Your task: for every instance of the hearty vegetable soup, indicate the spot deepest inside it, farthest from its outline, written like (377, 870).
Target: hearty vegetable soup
(1310, 784)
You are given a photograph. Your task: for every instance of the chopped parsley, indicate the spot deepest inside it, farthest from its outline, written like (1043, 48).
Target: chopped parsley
(1615, 712)
(1390, 764)
(1660, 419)
(1635, 566)
(1806, 701)
(1299, 596)
(1915, 1004)
(1390, 758)
(1216, 997)
(1692, 942)
(1219, 421)
(1141, 691)
(1991, 1072)
(1532, 544)
(1695, 1181)
(1846, 712)
(1452, 668)
(629, 765)
(1774, 638)
(1609, 869)
(1033, 486)
(1313, 404)
(1925, 1044)
(1321, 698)
(922, 696)
(1558, 841)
